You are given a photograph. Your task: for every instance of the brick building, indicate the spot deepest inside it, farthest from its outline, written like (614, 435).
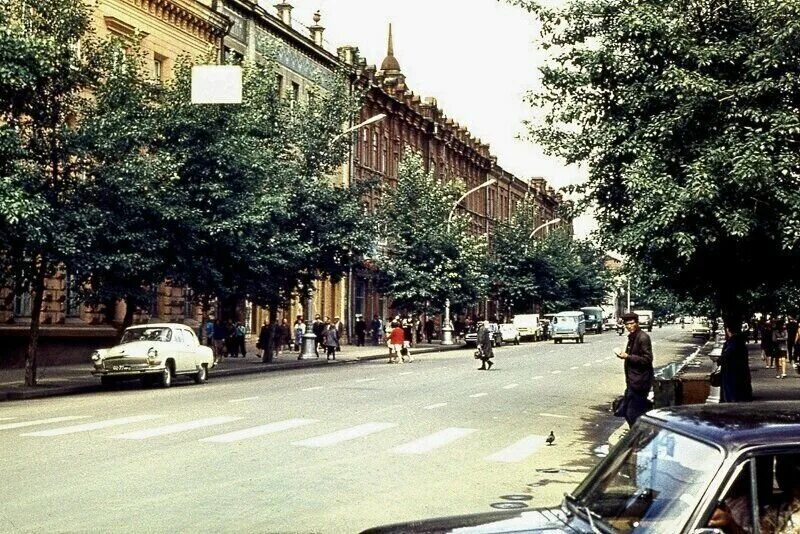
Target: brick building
(448, 151)
(213, 29)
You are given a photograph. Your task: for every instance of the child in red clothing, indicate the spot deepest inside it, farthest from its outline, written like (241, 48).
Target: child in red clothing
(396, 337)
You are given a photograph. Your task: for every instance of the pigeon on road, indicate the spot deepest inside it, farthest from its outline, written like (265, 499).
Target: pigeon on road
(551, 438)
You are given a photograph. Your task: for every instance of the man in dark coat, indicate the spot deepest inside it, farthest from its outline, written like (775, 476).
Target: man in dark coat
(361, 330)
(638, 358)
(484, 340)
(735, 367)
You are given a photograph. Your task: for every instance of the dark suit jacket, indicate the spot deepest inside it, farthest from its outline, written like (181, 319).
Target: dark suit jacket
(639, 363)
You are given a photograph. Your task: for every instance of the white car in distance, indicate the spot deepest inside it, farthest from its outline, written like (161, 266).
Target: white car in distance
(154, 353)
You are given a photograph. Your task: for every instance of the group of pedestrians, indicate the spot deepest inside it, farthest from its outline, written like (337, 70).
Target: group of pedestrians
(779, 339)
(226, 339)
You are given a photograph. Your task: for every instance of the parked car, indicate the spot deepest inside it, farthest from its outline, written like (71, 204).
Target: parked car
(701, 327)
(645, 319)
(528, 326)
(154, 353)
(471, 339)
(594, 318)
(509, 333)
(673, 471)
(568, 325)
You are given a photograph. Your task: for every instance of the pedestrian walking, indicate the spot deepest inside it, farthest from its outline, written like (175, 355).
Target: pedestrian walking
(376, 326)
(219, 336)
(241, 333)
(318, 327)
(209, 330)
(430, 328)
(331, 341)
(339, 325)
(263, 339)
(638, 357)
(791, 333)
(395, 342)
(779, 343)
(299, 330)
(736, 385)
(360, 328)
(766, 343)
(485, 349)
(231, 343)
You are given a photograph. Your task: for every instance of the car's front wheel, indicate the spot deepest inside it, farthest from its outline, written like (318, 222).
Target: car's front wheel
(202, 374)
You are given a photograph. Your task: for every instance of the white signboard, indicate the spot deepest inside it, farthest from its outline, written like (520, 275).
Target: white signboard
(216, 84)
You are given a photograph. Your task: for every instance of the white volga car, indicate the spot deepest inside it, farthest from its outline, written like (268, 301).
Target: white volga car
(154, 353)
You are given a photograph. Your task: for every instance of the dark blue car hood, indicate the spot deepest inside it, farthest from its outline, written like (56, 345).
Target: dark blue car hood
(531, 520)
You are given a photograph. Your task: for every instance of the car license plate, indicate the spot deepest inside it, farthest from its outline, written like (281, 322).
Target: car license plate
(121, 368)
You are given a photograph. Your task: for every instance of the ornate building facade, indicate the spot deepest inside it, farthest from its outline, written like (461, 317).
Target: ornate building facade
(448, 151)
(216, 29)
(163, 30)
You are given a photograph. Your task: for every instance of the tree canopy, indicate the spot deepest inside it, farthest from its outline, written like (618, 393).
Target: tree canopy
(429, 256)
(549, 273)
(685, 115)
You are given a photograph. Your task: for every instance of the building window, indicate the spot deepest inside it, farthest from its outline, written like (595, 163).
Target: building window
(158, 73)
(22, 305)
(374, 149)
(188, 303)
(295, 91)
(279, 82)
(72, 306)
(364, 144)
(359, 297)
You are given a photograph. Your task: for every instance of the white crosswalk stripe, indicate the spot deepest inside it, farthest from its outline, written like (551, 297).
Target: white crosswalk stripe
(433, 441)
(23, 424)
(7, 418)
(178, 427)
(347, 434)
(519, 450)
(93, 426)
(256, 431)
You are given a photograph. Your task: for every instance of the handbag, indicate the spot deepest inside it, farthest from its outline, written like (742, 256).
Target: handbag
(715, 378)
(618, 406)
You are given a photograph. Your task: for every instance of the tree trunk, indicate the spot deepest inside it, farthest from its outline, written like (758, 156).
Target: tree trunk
(130, 309)
(37, 289)
(269, 350)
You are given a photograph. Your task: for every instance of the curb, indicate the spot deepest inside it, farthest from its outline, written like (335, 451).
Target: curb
(257, 367)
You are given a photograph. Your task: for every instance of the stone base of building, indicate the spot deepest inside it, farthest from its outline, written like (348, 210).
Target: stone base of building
(58, 345)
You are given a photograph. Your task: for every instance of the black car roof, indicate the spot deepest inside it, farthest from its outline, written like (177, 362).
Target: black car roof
(735, 425)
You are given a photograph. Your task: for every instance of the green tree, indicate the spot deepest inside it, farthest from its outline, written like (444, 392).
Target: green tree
(131, 187)
(685, 115)
(551, 273)
(47, 66)
(428, 259)
(261, 216)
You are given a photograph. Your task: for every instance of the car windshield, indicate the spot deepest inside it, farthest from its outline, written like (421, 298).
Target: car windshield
(146, 334)
(651, 482)
(565, 320)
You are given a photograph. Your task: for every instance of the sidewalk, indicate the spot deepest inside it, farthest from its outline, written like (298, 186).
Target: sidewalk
(765, 385)
(73, 379)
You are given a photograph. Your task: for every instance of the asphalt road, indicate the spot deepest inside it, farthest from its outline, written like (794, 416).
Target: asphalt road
(334, 449)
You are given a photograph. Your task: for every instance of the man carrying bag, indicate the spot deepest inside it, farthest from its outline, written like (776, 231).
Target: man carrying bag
(638, 357)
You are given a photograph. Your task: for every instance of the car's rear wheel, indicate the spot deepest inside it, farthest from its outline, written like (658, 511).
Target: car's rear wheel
(166, 376)
(202, 374)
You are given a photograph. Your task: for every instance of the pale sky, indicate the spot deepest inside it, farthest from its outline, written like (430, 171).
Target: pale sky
(476, 57)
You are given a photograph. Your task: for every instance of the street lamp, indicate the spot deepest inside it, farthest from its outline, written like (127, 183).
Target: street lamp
(548, 223)
(447, 328)
(308, 350)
